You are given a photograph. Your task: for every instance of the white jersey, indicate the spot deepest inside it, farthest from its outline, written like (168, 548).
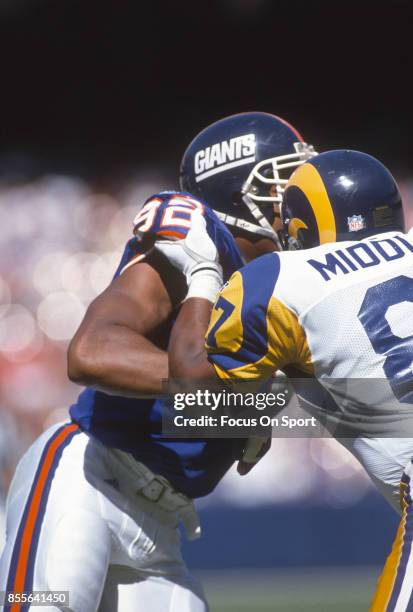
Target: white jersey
(342, 314)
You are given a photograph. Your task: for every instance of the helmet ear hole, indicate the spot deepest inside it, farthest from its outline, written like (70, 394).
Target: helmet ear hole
(237, 198)
(304, 239)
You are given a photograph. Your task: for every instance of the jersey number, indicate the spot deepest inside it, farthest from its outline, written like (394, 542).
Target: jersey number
(177, 214)
(226, 311)
(398, 351)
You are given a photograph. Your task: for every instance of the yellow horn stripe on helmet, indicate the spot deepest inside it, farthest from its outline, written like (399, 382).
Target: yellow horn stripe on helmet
(294, 225)
(308, 180)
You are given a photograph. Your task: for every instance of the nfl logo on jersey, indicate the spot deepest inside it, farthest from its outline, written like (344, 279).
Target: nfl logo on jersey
(356, 223)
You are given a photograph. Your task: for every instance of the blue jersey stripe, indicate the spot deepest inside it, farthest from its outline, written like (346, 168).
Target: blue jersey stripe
(259, 279)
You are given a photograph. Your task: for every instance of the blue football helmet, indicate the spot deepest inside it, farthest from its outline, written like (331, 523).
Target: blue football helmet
(340, 195)
(240, 165)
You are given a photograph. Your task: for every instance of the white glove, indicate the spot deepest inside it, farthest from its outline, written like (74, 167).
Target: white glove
(196, 256)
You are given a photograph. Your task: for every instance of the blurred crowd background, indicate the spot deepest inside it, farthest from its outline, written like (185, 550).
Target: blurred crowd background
(97, 103)
(61, 240)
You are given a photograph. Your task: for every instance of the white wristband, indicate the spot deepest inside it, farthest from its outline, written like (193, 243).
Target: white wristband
(205, 284)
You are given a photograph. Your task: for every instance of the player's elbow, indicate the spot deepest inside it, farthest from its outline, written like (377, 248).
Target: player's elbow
(181, 362)
(81, 363)
(190, 366)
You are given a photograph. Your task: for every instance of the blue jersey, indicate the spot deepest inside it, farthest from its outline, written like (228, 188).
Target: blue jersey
(193, 466)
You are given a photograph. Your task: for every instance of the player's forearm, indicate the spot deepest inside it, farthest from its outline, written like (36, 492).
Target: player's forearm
(118, 361)
(187, 354)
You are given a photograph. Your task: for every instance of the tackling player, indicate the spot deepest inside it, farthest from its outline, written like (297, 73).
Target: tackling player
(95, 503)
(345, 318)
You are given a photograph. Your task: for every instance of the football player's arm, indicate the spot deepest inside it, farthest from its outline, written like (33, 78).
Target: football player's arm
(188, 358)
(225, 340)
(197, 258)
(115, 348)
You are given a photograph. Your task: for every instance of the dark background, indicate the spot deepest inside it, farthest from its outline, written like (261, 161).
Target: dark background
(95, 85)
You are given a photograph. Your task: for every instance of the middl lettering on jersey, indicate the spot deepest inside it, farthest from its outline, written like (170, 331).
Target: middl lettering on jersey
(361, 255)
(224, 155)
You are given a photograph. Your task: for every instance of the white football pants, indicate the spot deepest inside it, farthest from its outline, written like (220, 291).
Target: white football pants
(91, 520)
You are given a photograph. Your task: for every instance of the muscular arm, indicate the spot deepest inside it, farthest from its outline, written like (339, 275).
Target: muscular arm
(188, 360)
(115, 349)
(187, 354)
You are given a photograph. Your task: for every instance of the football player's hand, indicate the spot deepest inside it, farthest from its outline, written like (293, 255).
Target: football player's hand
(254, 450)
(196, 256)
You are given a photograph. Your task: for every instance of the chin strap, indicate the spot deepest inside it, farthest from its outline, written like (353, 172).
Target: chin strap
(264, 228)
